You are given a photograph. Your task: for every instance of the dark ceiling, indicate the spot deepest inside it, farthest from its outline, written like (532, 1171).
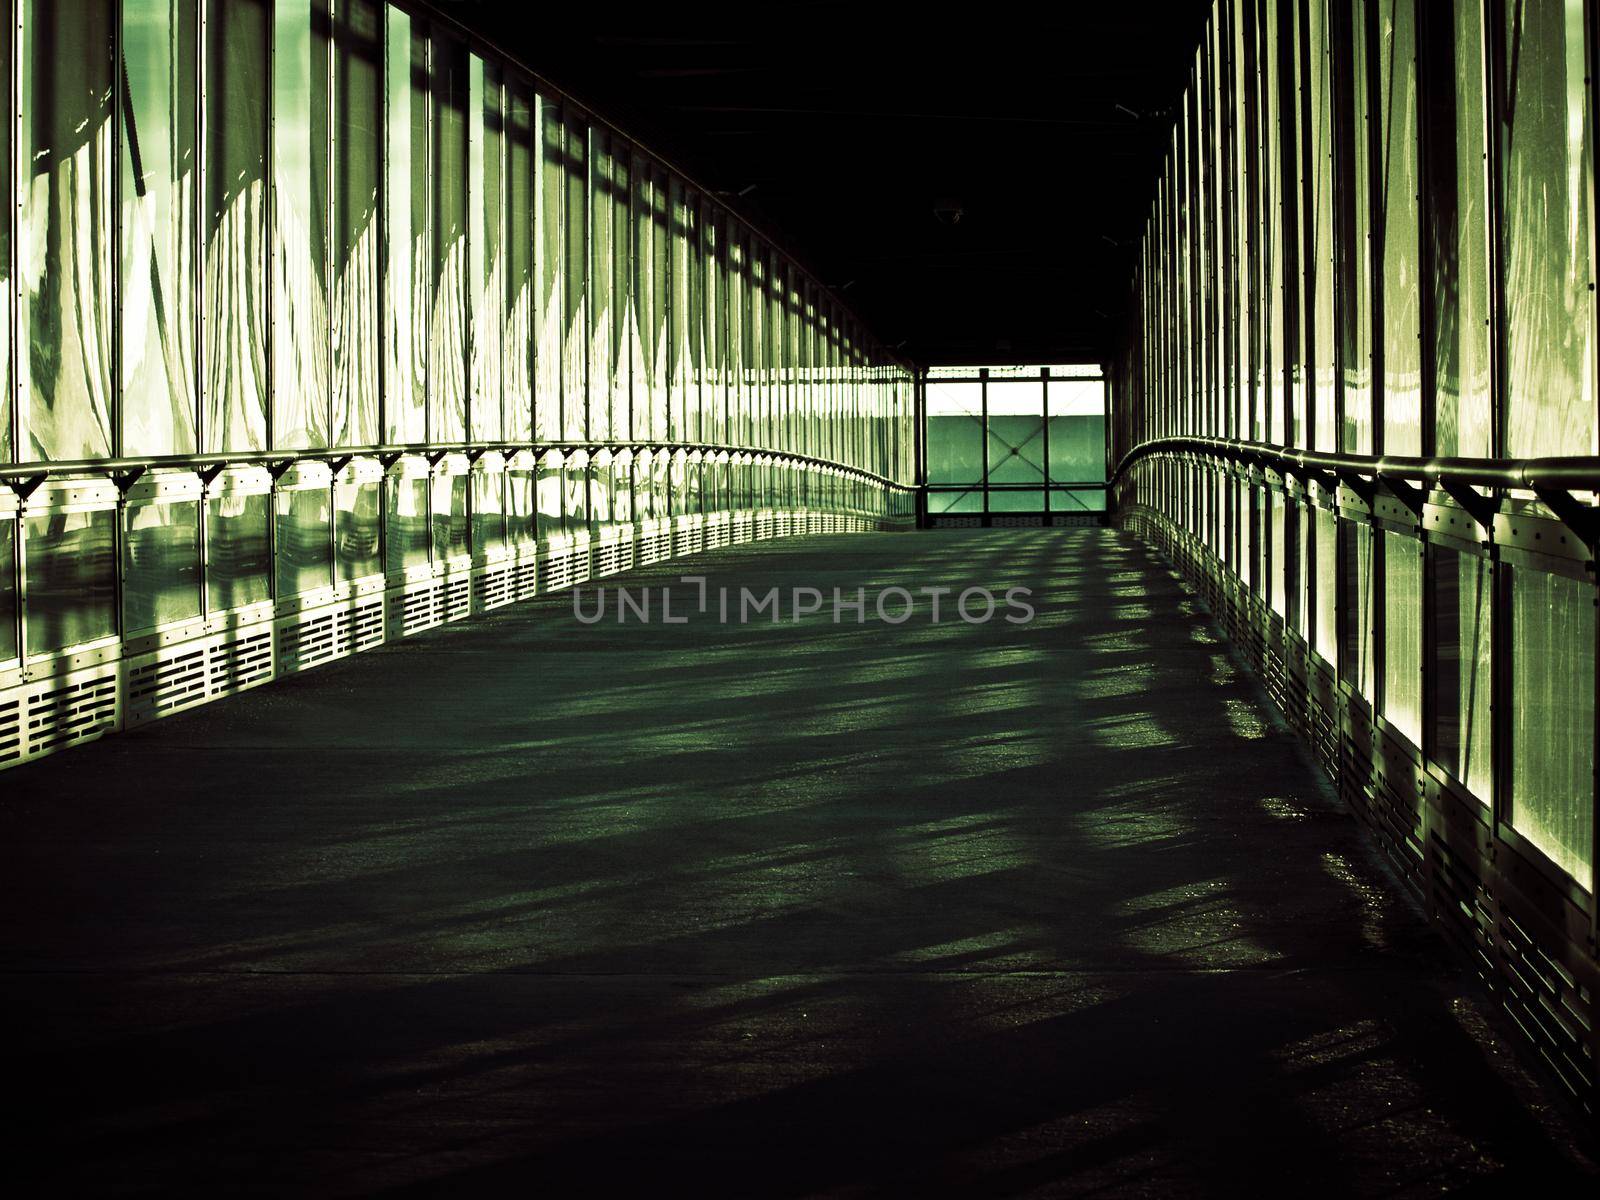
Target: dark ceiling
(851, 132)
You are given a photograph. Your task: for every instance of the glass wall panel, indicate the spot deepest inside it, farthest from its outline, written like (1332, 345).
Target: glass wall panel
(488, 514)
(520, 205)
(7, 450)
(521, 521)
(447, 333)
(357, 162)
(407, 522)
(1324, 531)
(161, 569)
(159, 167)
(552, 290)
(575, 217)
(551, 499)
(640, 359)
(1356, 579)
(406, 236)
(1355, 215)
(357, 537)
(1077, 430)
(300, 327)
(304, 540)
(65, 232)
(1459, 674)
(622, 322)
(656, 344)
(1321, 265)
(1552, 717)
(1016, 445)
(1458, 195)
(451, 535)
(601, 271)
(8, 590)
(678, 312)
(238, 550)
(1401, 186)
(1402, 634)
(955, 433)
(487, 246)
(71, 578)
(1548, 168)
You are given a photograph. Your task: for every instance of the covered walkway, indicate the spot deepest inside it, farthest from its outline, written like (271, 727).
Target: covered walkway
(735, 910)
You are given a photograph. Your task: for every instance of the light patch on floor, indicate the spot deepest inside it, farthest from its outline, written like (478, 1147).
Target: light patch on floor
(1284, 810)
(1245, 719)
(1133, 732)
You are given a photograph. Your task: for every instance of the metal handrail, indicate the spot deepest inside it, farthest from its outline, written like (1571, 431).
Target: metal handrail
(1562, 473)
(24, 478)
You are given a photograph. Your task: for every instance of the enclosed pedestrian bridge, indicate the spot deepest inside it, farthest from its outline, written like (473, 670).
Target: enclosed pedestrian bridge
(623, 599)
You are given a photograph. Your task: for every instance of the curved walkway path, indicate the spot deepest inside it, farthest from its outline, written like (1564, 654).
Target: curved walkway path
(759, 910)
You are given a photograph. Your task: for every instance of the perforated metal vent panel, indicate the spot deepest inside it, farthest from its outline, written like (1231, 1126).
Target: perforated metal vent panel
(527, 580)
(493, 588)
(457, 598)
(421, 608)
(10, 729)
(167, 682)
(233, 665)
(70, 710)
(310, 641)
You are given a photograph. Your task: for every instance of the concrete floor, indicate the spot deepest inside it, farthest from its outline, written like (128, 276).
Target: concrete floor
(745, 911)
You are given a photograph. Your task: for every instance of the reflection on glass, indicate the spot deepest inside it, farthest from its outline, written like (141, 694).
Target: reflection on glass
(1552, 717)
(300, 328)
(1324, 531)
(235, 347)
(65, 230)
(575, 484)
(955, 433)
(407, 523)
(447, 341)
(1459, 674)
(520, 202)
(1401, 186)
(1355, 257)
(1548, 168)
(1402, 642)
(575, 226)
(8, 590)
(304, 546)
(450, 532)
(521, 521)
(1458, 196)
(408, 246)
(71, 578)
(357, 161)
(357, 539)
(1321, 265)
(601, 272)
(488, 517)
(7, 450)
(550, 497)
(486, 240)
(552, 187)
(159, 165)
(238, 551)
(161, 572)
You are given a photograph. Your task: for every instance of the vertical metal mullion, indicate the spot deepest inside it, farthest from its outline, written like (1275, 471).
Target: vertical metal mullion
(118, 132)
(329, 238)
(1044, 429)
(14, 415)
(1500, 581)
(197, 282)
(983, 461)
